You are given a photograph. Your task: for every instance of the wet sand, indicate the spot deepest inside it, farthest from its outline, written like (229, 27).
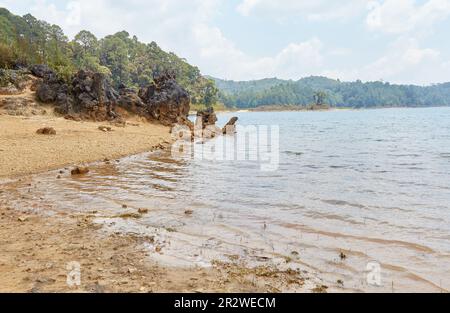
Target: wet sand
(36, 250)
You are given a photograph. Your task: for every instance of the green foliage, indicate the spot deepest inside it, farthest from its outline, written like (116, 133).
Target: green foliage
(124, 59)
(6, 56)
(321, 90)
(320, 97)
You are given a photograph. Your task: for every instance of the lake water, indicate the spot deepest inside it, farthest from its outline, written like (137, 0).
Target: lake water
(372, 184)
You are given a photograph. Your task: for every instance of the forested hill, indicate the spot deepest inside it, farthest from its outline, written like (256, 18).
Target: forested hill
(334, 92)
(124, 59)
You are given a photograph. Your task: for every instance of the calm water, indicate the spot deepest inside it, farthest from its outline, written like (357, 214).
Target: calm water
(373, 184)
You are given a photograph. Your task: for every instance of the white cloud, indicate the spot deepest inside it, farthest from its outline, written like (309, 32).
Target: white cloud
(224, 59)
(312, 10)
(184, 27)
(400, 16)
(404, 62)
(188, 29)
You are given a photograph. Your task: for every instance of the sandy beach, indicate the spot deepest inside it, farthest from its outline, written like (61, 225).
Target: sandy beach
(36, 248)
(22, 151)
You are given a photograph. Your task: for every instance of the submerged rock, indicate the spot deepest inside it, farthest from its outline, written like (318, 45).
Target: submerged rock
(143, 211)
(79, 170)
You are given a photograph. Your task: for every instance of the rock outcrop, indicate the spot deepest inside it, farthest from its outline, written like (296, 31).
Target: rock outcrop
(130, 101)
(41, 71)
(206, 118)
(205, 124)
(165, 100)
(230, 127)
(13, 82)
(90, 96)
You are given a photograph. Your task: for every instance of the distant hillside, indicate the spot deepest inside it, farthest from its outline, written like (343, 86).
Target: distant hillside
(336, 93)
(230, 86)
(124, 59)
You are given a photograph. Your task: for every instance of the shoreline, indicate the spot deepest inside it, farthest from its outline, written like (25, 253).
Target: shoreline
(37, 252)
(332, 109)
(38, 245)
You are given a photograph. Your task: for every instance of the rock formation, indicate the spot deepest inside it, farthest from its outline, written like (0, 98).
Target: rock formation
(131, 102)
(13, 82)
(230, 127)
(90, 96)
(41, 71)
(165, 100)
(206, 118)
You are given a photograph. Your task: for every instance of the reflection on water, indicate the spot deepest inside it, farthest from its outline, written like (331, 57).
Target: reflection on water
(371, 184)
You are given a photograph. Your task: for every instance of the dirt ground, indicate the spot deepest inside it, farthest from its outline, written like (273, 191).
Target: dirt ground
(23, 151)
(37, 254)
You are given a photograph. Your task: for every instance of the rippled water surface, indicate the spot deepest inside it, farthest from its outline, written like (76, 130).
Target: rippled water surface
(373, 184)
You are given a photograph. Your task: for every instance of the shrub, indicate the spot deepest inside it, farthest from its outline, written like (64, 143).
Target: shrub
(6, 56)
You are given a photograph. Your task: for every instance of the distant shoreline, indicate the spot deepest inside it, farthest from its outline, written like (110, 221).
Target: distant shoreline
(331, 109)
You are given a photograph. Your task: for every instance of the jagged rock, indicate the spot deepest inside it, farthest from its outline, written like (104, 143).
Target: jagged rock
(90, 95)
(230, 127)
(50, 88)
(46, 131)
(166, 101)
(41, 71)
(46, 93)
(206, 118)
(93, 97)
(205, 124)
(129, 100)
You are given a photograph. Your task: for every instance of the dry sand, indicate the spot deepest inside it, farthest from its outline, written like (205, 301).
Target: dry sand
(22, 151)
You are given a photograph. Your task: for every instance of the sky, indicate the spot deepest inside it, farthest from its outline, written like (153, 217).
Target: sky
(399, 41)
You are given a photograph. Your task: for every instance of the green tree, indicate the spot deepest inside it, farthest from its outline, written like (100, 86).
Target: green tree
(320, 97)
